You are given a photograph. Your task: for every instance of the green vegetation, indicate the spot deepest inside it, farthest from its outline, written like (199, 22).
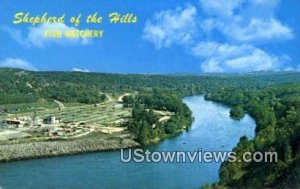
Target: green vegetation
(145, 123)
(19, 86)
(237, 112)
(276, 110)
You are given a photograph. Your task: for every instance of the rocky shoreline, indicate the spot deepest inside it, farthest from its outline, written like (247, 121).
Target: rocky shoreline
(34, 150)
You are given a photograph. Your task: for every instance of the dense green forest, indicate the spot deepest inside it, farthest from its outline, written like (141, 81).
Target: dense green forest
(276, 110)
(23, 86)
(272, 99)
(237, 112)
(145, 124)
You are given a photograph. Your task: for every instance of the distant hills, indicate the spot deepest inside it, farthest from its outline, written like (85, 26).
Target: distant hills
(19, 86)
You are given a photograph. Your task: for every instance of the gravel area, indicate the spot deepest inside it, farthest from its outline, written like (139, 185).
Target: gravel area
(14, 152)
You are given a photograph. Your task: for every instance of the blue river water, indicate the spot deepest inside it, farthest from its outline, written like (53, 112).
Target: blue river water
(212, 130)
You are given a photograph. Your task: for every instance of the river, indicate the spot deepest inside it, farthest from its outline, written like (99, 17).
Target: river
(212, 129)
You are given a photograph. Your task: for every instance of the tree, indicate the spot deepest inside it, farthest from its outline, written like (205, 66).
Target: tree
(237, 112)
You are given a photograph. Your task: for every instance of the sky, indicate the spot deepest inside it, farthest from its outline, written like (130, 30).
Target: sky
(171, 36)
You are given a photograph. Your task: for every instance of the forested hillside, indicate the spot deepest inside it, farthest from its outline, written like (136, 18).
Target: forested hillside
(276, 110)
(23, 86)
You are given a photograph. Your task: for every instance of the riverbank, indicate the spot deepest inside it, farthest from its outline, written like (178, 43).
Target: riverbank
(95, 142)
(91, 143)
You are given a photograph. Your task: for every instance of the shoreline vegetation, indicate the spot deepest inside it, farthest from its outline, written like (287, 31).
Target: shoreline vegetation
(147, 126)
(157, 112)
(276, 111)
(237, 112)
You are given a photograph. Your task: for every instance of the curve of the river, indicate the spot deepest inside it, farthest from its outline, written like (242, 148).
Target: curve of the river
(212, 130)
